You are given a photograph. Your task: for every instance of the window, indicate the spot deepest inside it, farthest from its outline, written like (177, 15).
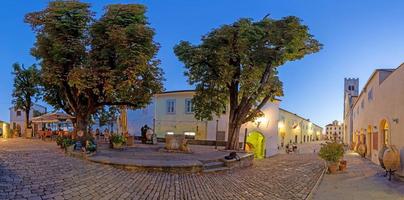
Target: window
(189, 135)
(188, 106)
(370, 94)
(18, 113)
(170, 133)
(171, 106)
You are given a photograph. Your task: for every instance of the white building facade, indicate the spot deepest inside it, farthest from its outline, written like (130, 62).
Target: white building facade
(171, 113)
(17, 118)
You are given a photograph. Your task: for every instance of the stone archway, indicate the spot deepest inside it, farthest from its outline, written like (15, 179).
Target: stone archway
(256, 144)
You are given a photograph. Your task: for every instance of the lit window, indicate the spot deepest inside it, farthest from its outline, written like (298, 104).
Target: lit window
(171, 106)
(189, 135)
(188, 106)
(170, 133)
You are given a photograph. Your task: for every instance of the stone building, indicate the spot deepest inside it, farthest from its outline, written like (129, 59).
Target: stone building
(17, 118)
(294, 129)
(351, 92)
(334, 131)
(171, 112)
(376, 116)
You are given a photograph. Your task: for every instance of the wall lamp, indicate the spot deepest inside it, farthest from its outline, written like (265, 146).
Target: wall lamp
(396, 120)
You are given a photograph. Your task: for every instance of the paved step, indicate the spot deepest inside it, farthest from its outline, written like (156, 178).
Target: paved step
(219, 169)
(212, 165)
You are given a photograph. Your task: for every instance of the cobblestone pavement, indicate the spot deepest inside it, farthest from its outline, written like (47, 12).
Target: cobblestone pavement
(362, 180)
(33, 169)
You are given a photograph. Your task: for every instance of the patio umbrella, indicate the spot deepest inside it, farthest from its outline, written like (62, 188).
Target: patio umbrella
(52, 118)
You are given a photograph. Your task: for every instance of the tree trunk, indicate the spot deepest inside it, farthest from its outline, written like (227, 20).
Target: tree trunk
(81, 123)
(27, 122)
(233, 137)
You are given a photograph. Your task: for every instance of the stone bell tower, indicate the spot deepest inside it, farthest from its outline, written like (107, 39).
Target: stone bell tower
(351, 92)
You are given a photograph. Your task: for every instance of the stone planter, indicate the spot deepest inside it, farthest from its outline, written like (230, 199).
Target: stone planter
(342, 165)
(117, 145)
(70, 148)
(332, 168)
(177, 143)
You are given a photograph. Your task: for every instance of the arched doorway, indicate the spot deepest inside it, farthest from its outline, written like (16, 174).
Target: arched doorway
(256, 144)
(283, 134)
(385, 132)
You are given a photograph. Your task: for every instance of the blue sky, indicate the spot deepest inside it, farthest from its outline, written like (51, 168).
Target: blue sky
(358, 37)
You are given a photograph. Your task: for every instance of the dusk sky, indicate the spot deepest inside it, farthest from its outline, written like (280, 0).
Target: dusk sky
(358, 37)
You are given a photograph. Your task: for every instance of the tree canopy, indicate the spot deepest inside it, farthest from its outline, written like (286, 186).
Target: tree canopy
(26, 90)
(89, 63)
(235, 67)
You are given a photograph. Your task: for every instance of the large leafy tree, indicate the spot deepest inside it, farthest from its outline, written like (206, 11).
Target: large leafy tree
(237, 64)
(26, 90)
(89, 63)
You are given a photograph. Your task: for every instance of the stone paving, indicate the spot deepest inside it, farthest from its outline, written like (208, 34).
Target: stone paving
(362, 180)
(33, 169)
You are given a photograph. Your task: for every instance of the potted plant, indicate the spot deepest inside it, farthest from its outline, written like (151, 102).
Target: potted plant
(59, 141)
(332, 153)
(117, 141)
(68, 144)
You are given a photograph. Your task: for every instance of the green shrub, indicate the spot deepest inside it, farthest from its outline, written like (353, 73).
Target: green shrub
(68, 142)
(117, 139)
(59, 140)
(332, 152)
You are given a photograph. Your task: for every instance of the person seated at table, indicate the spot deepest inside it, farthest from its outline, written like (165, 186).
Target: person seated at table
(106, 135)
(97, 133)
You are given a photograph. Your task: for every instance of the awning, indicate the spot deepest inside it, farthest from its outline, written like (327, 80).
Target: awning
(53, 118)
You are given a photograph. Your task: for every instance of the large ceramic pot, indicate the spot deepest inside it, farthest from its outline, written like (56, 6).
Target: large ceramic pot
(391, 159)
(362, 150)
(332, 168)
(380, 155)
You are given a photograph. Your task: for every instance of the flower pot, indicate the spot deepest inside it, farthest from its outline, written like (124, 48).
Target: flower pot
(70, 148)
(117, 145)
(342, 165)
(332, 168)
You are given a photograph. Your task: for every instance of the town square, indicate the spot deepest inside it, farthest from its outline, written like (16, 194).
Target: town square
(125, 99)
